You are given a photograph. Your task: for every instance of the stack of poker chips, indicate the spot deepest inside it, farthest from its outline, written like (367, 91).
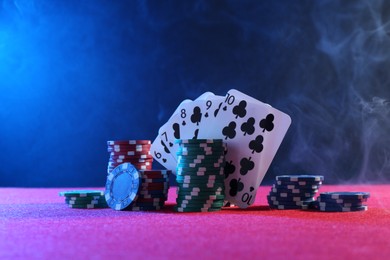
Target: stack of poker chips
(128, 188)
(200, 175)
(342, 201)
(294, 191)
(84, 199)
(136, 152)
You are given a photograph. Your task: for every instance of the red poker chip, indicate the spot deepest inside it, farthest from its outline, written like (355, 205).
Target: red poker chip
(153, 175)
(132, 154)
(130, 145)
(129, 142)
(143, 167)
(148, 179)
(150, 200)
(155, 185)
(153, 179)
(115, 164)
(130, 148)
(138, 167)
(131, 161)
(162, 189)
(131, 158)
(161, 172)
(127, 151)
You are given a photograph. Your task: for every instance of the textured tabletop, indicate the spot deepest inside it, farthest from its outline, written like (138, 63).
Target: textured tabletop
(37, 224)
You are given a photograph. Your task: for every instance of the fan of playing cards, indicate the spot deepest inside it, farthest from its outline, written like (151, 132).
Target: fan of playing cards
(252, 130)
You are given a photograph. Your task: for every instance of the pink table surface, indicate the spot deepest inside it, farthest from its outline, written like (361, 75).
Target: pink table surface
(37, 224)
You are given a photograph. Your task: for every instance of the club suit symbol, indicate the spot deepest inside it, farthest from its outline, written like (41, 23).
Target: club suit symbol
(267, 123)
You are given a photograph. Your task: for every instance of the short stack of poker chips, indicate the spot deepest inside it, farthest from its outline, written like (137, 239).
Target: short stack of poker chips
(136, 152)
(84, 199)
(200, 175)
(139, 190)
(342, 201)
(294, 191)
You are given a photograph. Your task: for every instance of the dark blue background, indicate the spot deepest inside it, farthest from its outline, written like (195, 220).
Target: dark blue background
(76, 73)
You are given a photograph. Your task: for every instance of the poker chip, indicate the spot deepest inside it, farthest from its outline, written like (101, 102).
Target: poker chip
(195, 209)
(345, 195)
(100, 202)
(136, 152)
(154, 180)
(200, 176)
(87, 206)
(122, 186)
(81, 193)
(124, 142)
(284, 206)
(199, 141)
(142, 190)
(146, 208)
(298, 183)
(294, 191)
(292, 186)
(84, 199)
(345, 201)
(299, 178)
(201, 197)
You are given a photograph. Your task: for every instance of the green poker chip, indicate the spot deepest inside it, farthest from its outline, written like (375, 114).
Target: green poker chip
(98, 201)
(197, 141)
(85, 198)
(201, 186)
(218, 203)
(201, 197)
(200, 206)
(200, 157)
(81, 193)
(202, 193)
(199, 151)
(199, 170)
(183, 187)
(200, 161)
(179, 209)
(216, 149)
(204, 179)
(200, 182)
(88, 206)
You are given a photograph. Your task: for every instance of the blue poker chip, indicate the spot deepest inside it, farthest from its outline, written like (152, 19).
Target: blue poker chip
(333, 207)
(287, 203)
(290, 194)
(302, 184)
(282, 207)
(342, 201)
(122, 186)
(290, 199)
(291, 186)
(298, 178)
(293, 191)
(345, 195)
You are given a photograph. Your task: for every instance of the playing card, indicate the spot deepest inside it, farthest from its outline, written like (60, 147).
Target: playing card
(191, 121)
(159, 150)
(162, 146)
(253, 132)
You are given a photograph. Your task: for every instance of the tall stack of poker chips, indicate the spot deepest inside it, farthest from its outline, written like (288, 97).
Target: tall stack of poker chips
(84, 199)
(294, 191)
(342, 201)
(200, 175)
(138, 190)
(136, 152)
